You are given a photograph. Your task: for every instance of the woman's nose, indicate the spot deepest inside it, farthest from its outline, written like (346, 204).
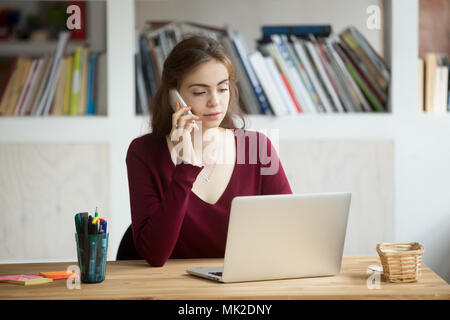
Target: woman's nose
(214, 99)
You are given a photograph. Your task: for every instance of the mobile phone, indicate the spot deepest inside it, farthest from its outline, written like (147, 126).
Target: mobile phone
(175, 96)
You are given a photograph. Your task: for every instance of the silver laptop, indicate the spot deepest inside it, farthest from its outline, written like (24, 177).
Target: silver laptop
(283, 236)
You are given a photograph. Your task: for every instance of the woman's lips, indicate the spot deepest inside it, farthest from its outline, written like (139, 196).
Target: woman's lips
(213, 116)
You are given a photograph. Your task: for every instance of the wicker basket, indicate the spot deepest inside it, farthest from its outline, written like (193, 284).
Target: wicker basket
(402, 262)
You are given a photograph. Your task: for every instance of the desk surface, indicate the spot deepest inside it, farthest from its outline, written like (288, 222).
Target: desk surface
(137, 280)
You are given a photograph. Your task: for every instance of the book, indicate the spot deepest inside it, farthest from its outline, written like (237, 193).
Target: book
(76, 80)
(279, 52)
(6, 68)
(7, 78)
(448, 88)
(420, 66)
(101, 85)
(301, 71)
(58, 101)
(49, 93)
(324, 104)
(430, 76)
(242, 53)
(281, 84)
(362, 71)
(26, 88)
(360, 102)
(343, 88)
(248, 101)
(40, 86)
(68, 85)
(334, 82)
(149, 72)
(82, 99)
(374, 102)
(440, 89)
(322, 76)
(297, 30)
(142, 97)
(361, 84)
(371, 53)
(356, 46)
(90, 99)
(17, 84)
(268, 84)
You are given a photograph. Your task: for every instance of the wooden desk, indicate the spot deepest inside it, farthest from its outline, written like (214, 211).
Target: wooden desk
(137, 280)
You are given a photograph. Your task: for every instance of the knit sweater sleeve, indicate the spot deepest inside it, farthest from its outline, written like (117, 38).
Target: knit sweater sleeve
(156, 218)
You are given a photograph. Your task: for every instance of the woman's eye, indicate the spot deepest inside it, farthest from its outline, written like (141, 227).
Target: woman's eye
(198, 93)
(224, 90)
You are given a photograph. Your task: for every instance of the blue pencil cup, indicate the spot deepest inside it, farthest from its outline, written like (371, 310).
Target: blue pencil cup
(91, 252)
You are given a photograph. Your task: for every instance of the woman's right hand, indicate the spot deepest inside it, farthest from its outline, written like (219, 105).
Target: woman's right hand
(180, 135)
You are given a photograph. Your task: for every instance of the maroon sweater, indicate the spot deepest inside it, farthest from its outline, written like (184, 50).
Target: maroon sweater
(169, 220)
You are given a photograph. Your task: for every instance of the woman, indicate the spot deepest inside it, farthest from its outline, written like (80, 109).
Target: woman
(183, 176)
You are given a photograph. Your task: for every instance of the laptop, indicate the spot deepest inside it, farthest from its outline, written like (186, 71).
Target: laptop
(283, 236)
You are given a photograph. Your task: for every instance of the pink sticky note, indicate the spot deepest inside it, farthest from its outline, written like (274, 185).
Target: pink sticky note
(18, 277)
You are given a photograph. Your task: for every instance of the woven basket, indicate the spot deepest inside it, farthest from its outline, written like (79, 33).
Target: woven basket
(402, 262)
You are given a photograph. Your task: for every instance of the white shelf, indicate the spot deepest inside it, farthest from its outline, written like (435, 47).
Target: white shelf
(55, 129)
(11, 49)
(315, 126)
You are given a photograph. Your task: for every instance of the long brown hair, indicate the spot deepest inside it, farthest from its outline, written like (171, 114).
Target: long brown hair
(184, 57)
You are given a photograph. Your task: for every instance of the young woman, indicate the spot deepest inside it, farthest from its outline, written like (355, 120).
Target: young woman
(183, 176)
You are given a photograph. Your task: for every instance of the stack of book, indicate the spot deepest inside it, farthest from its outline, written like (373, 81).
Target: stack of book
(295, 69)
(434, 88)
(153, 46)
(56, 84)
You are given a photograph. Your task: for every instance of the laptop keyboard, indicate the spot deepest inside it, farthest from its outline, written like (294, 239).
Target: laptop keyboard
(219, 274)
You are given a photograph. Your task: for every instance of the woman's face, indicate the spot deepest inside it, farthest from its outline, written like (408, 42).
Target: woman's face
(206, 90)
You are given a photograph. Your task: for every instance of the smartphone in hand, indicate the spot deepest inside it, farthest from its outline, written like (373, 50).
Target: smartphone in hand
(174, 97)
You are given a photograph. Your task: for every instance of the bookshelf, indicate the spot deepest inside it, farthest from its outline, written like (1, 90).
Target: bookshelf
(31, 44)
(434, 52)
(420, 154)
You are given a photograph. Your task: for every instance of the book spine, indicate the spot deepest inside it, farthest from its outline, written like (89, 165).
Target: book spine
(26, 88)
(267, 83)
(148, 67)
(324, 103)
(333, 81)
(242, 54)
(297, 30)
(293, 76)
(33, 87)
(287, 105)
(301, 71)
(11, 69)
(373, 100)
(354, 45)
(68, 85)
(90, 86)
(76, 79)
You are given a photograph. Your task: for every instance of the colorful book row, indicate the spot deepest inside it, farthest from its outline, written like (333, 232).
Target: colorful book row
(295, 69)
(56, 84)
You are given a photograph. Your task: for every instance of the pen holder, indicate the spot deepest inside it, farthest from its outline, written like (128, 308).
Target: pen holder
(91, 252)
